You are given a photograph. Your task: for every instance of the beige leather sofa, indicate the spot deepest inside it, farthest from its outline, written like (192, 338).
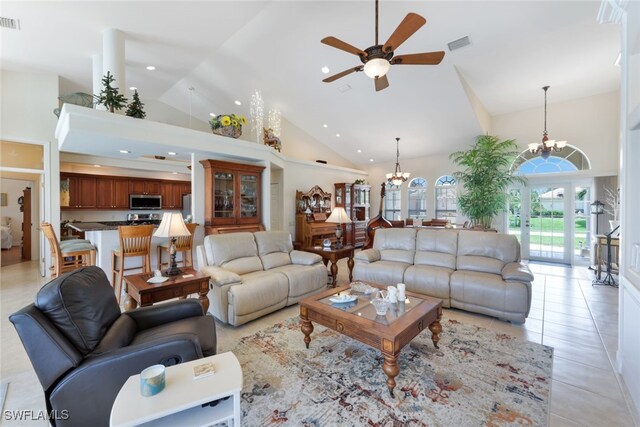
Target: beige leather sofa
(253, 274)
(470, 270)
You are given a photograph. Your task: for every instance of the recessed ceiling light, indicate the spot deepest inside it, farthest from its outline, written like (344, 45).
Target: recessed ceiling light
(371, 160)
(96, 166)
(175, 173)
(125, 151)
(338, 135)
(212, 114)
(133, 88)
(151, 67)
(237, 102)
(359, 151)
(171, 153)
(325, 125)
(325, 69)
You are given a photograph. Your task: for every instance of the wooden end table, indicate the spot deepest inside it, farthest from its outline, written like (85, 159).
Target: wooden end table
(139, 291)
(358, 320)
(333, 255)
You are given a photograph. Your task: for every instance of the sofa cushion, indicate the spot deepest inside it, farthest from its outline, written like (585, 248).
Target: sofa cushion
(274, 248)
(396, 244)
(480, 263)
(82, 305)
(381, 272)
(258, 290)
(437, 248)
(303, 279)
(503, 247)
(305, 258)
(236, 252)
(429, 280)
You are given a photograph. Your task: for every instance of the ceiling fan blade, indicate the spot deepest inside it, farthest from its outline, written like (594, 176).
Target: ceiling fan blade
(339, 44)
(381, 83)
(344, 73)
(428, 58)
(409, 25)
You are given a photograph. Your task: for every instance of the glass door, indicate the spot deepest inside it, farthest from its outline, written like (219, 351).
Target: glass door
(249, 196)
(582, 225)
(547, 223)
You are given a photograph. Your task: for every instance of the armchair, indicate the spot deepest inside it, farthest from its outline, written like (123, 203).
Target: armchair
(83, 349)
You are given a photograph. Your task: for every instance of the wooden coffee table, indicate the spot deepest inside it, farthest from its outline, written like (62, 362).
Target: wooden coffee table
(358, 320)
(333, 255)
(139, 291)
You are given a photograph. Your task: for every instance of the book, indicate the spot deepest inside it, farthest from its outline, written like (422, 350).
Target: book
(203, 370)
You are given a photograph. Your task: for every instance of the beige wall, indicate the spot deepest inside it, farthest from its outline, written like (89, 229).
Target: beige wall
(17, 155)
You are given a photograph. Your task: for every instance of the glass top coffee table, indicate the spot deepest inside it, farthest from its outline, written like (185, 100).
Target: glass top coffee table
(358, 320)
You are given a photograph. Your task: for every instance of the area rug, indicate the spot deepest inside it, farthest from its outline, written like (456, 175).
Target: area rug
(477, 378)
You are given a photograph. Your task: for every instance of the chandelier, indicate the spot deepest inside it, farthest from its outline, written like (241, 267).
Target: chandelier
(397, 177)
(545, 147)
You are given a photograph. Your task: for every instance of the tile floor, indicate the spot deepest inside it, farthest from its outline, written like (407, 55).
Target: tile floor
(567, 313)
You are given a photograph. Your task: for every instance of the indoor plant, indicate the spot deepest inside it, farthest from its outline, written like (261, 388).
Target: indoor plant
(486, 177)
(228, 125)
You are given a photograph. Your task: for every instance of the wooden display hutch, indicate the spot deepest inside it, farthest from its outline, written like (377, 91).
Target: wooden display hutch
(355, 199)
(312, 210)
(232, 195)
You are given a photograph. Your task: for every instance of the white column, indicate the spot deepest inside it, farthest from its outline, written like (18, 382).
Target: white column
(97, 77)
(113, 57)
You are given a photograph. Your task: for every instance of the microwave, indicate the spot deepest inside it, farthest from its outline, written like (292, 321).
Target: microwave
(145, 201)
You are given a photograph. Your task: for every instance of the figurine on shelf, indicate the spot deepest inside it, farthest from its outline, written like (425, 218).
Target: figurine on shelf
(271, 140)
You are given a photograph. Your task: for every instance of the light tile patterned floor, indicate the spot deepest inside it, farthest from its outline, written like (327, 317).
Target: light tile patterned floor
(577, 319)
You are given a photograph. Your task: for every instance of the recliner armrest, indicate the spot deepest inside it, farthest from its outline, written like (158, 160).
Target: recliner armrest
(367, 256)
(220, 276)
(517, 271)
(304, 258)
(148, 317)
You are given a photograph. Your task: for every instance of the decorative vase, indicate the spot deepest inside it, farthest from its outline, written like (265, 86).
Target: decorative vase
(232, 131)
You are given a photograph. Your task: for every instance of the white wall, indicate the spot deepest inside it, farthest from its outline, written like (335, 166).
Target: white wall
(160, 112)
(13, 188)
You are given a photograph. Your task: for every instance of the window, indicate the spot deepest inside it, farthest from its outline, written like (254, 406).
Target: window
(570, 159)
(418, 198)
(446, 207)
(392, 202)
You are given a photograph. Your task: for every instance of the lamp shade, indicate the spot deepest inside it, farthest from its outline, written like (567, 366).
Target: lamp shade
(172, 225)
(339, 216)
(376, 67)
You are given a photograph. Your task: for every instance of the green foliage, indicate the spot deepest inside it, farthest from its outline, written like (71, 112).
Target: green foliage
(109, 96)
(485, 177)
(134, 109)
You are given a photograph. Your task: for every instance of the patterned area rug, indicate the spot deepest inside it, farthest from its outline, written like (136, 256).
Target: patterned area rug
(476, 378)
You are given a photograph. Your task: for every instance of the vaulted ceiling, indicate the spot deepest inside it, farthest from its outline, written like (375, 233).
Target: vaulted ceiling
(225, 50)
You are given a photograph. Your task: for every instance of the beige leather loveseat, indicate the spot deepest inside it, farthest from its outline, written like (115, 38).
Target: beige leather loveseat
(470, 270)
(253, 274)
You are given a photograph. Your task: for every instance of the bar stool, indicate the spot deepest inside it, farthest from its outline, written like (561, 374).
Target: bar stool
(184, 244)
(135, 241)
(68, 255)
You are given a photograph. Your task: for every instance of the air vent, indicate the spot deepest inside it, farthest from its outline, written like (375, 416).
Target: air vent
(12, 24)
(457, 44)
(344, 88)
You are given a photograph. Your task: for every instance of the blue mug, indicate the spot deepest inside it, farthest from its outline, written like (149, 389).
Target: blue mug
(152, 380)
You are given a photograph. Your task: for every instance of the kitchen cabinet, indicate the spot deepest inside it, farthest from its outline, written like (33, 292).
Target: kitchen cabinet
(232, 193)
(112, 193)
(139, 186)
(81, 191)
(172, 193)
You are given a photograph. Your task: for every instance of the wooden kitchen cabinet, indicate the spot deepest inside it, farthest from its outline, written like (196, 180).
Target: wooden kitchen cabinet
(139, 186)
(172, 193)
(232, 193)
(86, 192)
(112, 193)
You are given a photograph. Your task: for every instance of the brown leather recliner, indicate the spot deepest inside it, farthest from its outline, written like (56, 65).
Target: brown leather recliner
(83, 349)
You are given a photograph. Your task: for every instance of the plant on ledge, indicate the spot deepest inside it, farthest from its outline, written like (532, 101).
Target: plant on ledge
(134, 109)
(486, 177)
(109, 96)
(228, 125)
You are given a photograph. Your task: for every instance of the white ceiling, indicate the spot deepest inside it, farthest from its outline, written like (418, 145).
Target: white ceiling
(227, 49)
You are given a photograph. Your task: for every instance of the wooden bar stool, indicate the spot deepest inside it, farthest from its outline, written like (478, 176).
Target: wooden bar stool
(135, 241)
(184, 244)
(68, 255)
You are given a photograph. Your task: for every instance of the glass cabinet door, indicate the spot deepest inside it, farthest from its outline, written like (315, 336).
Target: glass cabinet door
(223, 197)
(248, 196)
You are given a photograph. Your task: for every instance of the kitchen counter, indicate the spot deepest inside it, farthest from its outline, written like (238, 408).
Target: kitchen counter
(90, 226)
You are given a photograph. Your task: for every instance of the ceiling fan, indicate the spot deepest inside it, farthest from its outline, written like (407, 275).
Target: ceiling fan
(377, 59)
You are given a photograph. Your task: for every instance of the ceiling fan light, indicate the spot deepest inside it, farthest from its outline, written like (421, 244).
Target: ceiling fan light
(376, 67)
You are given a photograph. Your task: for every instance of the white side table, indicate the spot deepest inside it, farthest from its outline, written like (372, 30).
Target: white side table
(179, 404)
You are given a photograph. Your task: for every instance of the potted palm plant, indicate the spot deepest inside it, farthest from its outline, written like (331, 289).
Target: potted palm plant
(485, 176)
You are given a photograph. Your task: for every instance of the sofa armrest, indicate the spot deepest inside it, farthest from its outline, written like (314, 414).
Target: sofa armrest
(304, 258)
(155, 315)
(517, 271)
(368, 255)
(220, 276)
(201, 256)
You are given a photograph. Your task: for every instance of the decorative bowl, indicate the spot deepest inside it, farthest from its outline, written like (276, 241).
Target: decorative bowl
(362, 287)
(232, 131)
(381, 305)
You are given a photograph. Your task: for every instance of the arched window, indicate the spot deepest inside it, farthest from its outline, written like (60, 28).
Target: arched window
(570, 159)
(446, 207)
(392, 202)
(418, 198)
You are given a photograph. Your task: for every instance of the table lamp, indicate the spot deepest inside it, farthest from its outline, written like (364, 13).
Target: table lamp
(339, 216)
(172, 226)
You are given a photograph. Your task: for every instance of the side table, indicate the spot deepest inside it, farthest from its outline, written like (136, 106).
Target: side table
(139, 291)
(180, 403)
(333, 255)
